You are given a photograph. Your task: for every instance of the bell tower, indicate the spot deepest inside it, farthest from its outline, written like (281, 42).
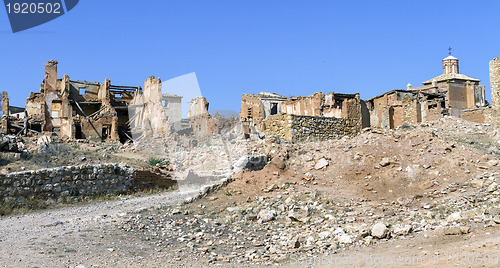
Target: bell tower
(450, 64)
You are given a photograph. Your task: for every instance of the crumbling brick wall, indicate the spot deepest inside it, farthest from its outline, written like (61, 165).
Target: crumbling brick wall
(311, 106)
(5, 113)
(490, 115)
(252, 112)
(299, 128)
(200, 120)
(410, 110)
(147, 113)
(495, 82)
(476, 115)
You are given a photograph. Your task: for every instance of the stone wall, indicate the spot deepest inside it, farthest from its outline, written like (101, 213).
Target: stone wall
(495, 82)
(476, 115)
(298, 128)
(200, 120)
(410, 111)
(71, 181)
(252, 112)
(489, 115)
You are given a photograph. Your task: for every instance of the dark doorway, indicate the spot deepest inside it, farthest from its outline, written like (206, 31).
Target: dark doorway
(105, 132)
(391, 117)
(274, 108)
(78, 132)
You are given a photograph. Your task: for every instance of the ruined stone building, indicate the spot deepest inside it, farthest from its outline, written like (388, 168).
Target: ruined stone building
(200, 120)
(317, 117)
(172, 107)
(79, 109)
(490, 114)
(447, 94)
(255, 108)
(103, 111)
(147, 113)
(460, 91)
(397, 107)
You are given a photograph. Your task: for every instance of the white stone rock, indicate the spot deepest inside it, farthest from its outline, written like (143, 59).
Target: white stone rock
(321, 164)
(402, 230)
(493, 187)
(324, 235)
(385, 162)
(454, 217)
(346, 239)
(379, 230)
(267, 215)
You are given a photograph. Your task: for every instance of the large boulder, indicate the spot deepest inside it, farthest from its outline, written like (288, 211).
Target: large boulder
(379, 230)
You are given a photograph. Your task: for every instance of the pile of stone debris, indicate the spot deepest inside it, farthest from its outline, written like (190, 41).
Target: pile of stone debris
(11, 143)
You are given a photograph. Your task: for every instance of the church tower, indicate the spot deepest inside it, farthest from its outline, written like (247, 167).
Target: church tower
(450, 65)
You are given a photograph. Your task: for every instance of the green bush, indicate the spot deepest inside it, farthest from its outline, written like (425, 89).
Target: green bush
(153, 161)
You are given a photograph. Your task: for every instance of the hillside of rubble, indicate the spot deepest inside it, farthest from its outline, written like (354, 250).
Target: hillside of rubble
(420, 191)
(432, 187)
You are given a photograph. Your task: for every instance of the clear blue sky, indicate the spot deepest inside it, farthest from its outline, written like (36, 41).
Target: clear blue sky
(236, 47)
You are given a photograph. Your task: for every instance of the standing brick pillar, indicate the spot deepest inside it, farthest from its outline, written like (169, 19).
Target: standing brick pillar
(5, 113)
(495, 82)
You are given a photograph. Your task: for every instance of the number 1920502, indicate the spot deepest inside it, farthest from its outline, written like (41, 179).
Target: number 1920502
(33, 8)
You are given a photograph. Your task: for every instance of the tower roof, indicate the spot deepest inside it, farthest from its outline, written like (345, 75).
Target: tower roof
(451, 76)
(450, 58)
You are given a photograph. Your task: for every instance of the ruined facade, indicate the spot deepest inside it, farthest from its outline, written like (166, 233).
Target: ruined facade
(79, 109)
(336, 105)
(491, 114)
(103, 111)
(172, 106)
(460, 91)
(397, 107)
(146, 111)
(447, 94)
(200, 120)
(255, 108)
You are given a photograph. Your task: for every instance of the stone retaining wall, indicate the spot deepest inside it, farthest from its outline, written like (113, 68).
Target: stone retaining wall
(297, 128)
(74, 182)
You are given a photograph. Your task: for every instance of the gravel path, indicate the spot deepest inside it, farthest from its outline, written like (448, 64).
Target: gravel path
(75, 235)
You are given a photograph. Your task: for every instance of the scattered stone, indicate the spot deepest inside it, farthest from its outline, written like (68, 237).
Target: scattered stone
(345, 239)
(402, 230)
(267, 215)
(379, 230)
(321, 164)
(295, 243)
(493, 187)
(385, 162)
(456, 230)
(454, 217)
(176, 211)
(476, 183)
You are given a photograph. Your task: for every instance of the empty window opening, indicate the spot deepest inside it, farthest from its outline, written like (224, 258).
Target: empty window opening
(56, 109)
(106, 132)
(274, 108)
(81, 91)
(57, 131)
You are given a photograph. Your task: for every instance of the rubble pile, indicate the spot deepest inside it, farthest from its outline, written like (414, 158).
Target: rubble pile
(11, 143)
(328, 197)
